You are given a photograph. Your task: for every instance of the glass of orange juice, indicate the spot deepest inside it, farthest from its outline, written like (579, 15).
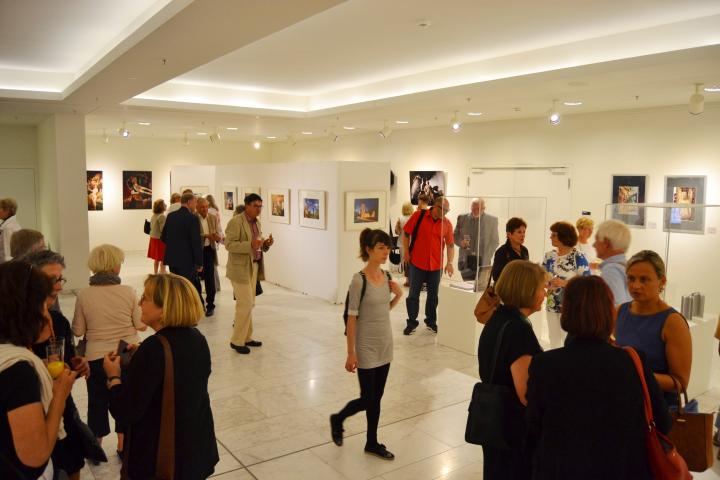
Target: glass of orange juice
(55, 354)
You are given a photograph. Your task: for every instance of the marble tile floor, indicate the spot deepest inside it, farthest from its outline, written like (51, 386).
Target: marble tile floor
(271, 407)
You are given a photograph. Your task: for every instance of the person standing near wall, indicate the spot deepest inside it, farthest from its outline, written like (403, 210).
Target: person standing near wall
(183, 248)
(209, 237)
(611, 242)
(476, 233)
(8, 227)
(214, 210)
(26, 241)
(245, 266)
(174, 203)
(156, 248)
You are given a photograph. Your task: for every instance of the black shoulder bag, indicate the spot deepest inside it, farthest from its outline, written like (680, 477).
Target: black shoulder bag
(494, 419)
(415, 230)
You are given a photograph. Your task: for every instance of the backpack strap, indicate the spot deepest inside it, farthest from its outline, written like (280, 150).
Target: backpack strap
(364, 286)
(415, 230)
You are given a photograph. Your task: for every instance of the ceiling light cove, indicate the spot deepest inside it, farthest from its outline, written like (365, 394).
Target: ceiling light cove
(474, 114)
(144, 123)
(271, 137)
(349, 128)
(401, 122)
(306, 133)
(712, 89)
(202, 133)
(572, 104)
(231, 128)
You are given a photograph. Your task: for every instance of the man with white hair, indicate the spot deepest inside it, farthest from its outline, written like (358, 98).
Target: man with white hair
(612, 240)
(476, 233)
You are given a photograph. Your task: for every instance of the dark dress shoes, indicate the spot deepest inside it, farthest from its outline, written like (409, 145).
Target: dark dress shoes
(253, 343)
(379, 450)
(240, 348)
(336, 430)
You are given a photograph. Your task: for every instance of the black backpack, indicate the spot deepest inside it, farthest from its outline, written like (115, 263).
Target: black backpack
(362, 294)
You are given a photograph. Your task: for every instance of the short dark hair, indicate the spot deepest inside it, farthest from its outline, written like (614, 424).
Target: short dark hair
(159, 206)
(23, 293)
(186, 197)
(252, 197)
(370, 238)
(24, 241)
(514, 223)
(588, 308)
(44, 257)
(566, 233)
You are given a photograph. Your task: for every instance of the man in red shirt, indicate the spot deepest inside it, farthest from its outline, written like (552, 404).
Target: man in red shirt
(425, 259)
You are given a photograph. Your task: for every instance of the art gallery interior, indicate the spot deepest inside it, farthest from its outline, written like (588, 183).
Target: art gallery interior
(337, 97)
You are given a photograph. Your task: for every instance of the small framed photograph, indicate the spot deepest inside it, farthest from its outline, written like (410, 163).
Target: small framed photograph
(198, 190)
(229, 198)
(629, 190)
(684, 192)
(244, 192)
(279, 203)
(137, 190)
(312, 209)
(365, 210)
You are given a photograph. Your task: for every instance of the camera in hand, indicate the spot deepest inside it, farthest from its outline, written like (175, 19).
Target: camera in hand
(124, 354)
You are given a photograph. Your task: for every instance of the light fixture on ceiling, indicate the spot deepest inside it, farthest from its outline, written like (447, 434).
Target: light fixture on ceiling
(349, 128)
(385, 132)
(123, 132)
(306, 133)
(291, 140)
(186, 140)
(144, 123)
(214, 137)
(455, 123)
(474, 114)
(231, 128)
(271, 137)
(713, 89)
(256, 145)
(554, 115)
(334, 137)
(105, 137)
(572, 104)
(401, 122)
(697, 101)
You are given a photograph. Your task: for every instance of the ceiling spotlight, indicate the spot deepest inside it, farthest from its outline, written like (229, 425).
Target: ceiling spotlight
(697, 101)
(105, 137)
(713, 89)
(271, 137)
(349, 128)
(455, 124)
(385, 132)
(401, 122)
(306, 133)
(572, 104)
(333, 137)
(256, 145)
(214, 137)
(554, 115)
(144, 123)
(123, 132)
(186, 140)
(202, 133)
(231, 128)
(474, 114)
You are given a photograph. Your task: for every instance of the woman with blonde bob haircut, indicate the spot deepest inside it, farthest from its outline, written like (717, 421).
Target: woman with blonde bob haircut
(521, 288)
(105, 313)
(171, 306)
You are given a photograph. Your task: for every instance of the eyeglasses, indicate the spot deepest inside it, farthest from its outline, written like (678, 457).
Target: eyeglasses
(60, 280)
(256, 205)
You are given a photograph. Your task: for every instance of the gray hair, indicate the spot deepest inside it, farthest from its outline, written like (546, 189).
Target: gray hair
(44, 257)
(615, 232)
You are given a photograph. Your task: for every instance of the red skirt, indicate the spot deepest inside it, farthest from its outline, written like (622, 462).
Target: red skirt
(156, 250)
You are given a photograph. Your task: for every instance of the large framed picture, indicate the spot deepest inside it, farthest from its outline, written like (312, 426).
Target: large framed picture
(629, 190)
(229, 198)
(200, 190)
(279, 204)
(685, 192)
(431, 183)
(365, 210)
(95, 190)
(137, 190)
(312, 209)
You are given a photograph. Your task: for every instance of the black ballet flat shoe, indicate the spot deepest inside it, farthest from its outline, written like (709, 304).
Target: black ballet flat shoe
(336, 430)
(379, 450)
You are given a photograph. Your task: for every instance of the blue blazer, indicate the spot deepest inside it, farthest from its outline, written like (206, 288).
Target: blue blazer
(183, 246)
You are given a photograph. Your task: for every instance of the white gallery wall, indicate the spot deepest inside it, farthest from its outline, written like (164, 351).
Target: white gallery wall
(18, 170)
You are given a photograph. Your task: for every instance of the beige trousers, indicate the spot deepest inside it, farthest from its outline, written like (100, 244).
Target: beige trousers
(244, 303)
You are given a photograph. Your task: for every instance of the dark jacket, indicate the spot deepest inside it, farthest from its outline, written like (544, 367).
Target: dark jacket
(585, 413)
(504, 255)
(181, 236)
(138, 403)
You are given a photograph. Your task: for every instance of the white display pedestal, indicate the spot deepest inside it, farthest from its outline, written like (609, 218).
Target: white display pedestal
(457, 326)
(702, 332)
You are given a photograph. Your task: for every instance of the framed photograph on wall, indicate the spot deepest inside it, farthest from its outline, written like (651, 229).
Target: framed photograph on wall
(629, 190)
(95, 190)
(431, 183)
(279, 199)
(312, 209)
(245, 191)
(685, 192)
(365, 210)
(201, 190)
(137, 190)
(229, 198)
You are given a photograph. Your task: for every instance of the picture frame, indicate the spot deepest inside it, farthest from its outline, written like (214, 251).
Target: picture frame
(245, 191)
(365, 210)
(229, 198)
(94, 190)
(137, 190)
(278, 202)
(201, 190)
(431, 182)
(629, 190)
(312, 209)
(685, 190)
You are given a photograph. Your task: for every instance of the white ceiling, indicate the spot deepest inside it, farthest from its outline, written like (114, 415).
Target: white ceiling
(275, 68)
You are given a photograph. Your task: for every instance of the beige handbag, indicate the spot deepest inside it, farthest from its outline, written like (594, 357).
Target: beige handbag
(487, 304)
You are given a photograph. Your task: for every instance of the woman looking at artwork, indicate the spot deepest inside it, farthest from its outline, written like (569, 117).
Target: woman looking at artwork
(651, 326)
(407, 211)
(171, 306)
(521, 288)
(156, 249)
(513, 249)
(369, 338)
(563, 263)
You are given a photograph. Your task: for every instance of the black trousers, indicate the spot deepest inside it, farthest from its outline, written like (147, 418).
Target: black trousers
(372, 386)
(208, 275)
(191, 275)
(98, 400)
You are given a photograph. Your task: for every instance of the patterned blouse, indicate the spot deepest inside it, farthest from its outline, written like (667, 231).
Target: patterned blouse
(565, 267)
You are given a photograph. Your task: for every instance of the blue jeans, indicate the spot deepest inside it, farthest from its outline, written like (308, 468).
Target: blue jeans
(419, 276)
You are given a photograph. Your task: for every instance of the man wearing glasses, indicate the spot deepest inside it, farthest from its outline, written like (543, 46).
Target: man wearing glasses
(246, 248)
(431, 233)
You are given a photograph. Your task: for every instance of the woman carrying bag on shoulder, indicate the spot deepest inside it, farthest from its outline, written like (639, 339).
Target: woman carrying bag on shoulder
(170, 432)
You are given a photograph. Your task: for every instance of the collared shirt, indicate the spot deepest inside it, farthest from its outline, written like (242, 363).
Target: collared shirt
(205, 230)
(432, 237)
(257, 254)
(612, 270)
(7, 230)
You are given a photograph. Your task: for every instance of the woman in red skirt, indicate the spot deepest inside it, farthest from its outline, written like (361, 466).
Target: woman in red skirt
(156, 250)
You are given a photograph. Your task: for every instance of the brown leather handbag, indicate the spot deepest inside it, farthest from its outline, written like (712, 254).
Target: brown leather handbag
(692, 433)
(165, 463)
(487, 304)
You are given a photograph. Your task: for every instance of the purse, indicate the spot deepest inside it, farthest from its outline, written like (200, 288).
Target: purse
(165, 461)
(494, 418)
(664, 460)
(487, 304)
(146, 227)
(692, 433)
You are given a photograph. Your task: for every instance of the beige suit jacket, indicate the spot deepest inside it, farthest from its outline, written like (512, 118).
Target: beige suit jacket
(212, 228)
(238, 234)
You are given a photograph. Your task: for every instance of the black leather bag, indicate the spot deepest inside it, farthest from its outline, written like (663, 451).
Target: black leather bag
(494, 417)
(146, 227)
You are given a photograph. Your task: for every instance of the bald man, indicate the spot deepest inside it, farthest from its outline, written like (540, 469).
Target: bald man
(476, 235)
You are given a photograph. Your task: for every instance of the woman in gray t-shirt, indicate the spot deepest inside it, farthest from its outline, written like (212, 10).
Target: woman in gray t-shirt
(369, 337)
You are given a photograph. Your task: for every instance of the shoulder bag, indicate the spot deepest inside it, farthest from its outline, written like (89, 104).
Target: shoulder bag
(664, 460)
(415, 230)
(146, 227)
(494, 419)
(692, 432)
(487, 304)
(165, 463)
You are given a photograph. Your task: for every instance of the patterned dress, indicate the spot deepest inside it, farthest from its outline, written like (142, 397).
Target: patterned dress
(565, 267)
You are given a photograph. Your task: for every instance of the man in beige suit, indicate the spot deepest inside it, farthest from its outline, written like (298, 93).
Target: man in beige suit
(244, 242)
(209, 236)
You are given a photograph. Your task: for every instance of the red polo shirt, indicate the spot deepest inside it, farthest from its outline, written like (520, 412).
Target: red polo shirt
(432, 236)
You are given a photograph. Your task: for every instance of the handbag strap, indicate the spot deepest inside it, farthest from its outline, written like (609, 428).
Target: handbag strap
(681, 392)
(646, 394)
(165, 466)
(497, 350)
(415, 230)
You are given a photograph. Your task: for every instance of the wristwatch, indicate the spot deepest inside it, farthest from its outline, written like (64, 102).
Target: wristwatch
(110, 379)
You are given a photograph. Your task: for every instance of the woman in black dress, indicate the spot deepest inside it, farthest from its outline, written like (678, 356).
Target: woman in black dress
(513, 248)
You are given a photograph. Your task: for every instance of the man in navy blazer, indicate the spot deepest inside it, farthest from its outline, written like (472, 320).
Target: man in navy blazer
(183, 247)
